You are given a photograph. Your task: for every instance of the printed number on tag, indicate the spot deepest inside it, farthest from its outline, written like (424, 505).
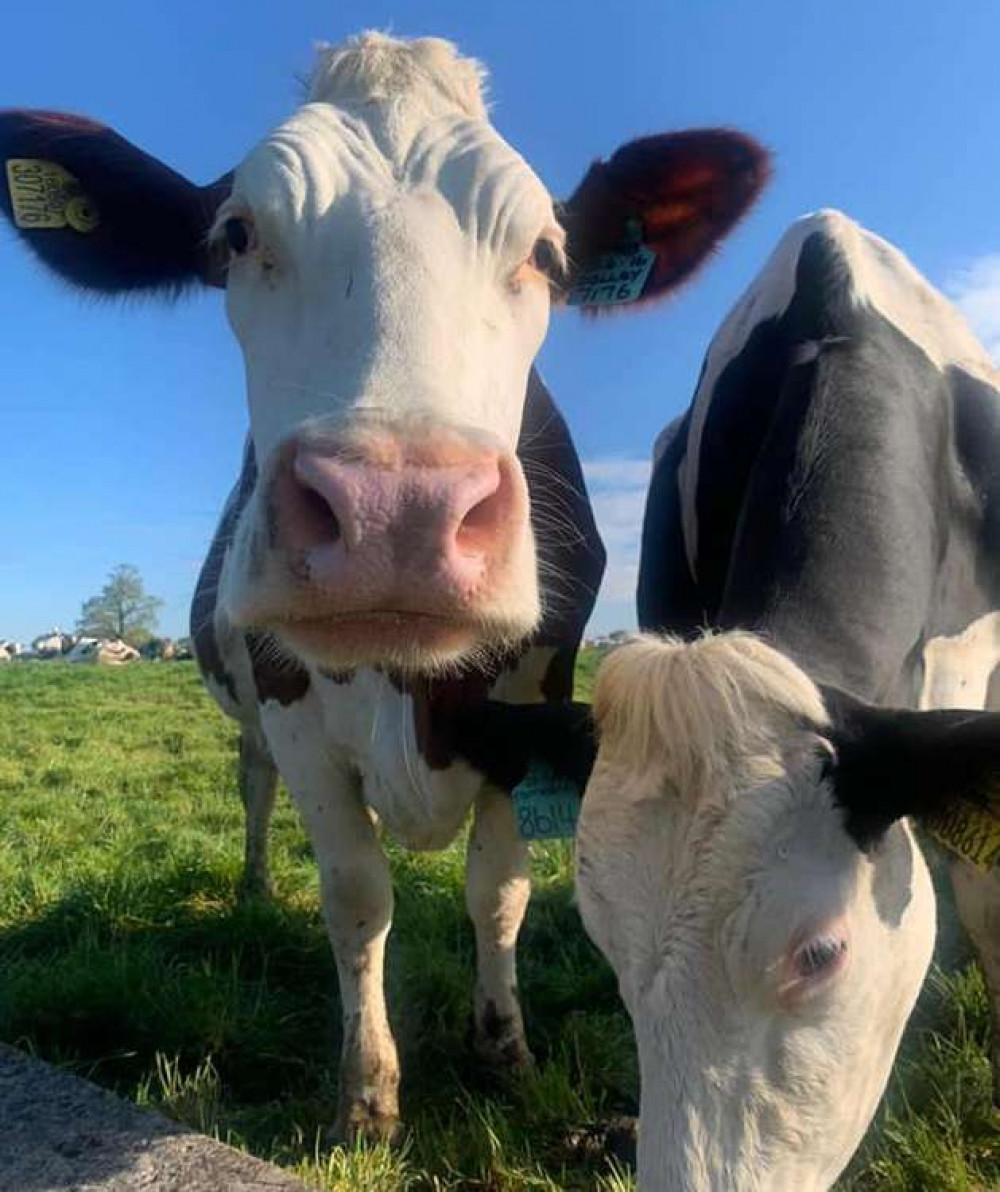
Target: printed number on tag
(971, 832)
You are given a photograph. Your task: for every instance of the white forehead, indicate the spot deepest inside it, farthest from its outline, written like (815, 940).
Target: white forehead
(384, 116)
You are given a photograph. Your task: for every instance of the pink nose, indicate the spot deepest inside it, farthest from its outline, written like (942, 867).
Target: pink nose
(383, 527)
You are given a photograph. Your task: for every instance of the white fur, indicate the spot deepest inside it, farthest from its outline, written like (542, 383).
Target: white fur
(390, 220)
(709, 850)
(349, 756)
(879, 276)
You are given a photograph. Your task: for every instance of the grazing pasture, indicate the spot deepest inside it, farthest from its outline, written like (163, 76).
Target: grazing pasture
(126, 957)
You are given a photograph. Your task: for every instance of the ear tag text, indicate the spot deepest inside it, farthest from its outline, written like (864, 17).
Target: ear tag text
(546, 807)
(44, 195)
(970, 831)
(614, 279)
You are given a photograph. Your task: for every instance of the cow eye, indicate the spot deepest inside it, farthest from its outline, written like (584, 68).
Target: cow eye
(239, 235)
(819, 955)
(547, 259)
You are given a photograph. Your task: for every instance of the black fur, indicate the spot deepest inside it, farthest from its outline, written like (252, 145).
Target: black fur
(153, 221)
(892, 762)
(503, 740)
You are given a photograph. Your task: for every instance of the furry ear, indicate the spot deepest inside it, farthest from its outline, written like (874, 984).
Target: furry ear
(100, 212)
(891, 762)
(502, 740)
(676, 195)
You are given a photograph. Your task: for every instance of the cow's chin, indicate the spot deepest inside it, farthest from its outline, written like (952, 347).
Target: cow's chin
(408, 642)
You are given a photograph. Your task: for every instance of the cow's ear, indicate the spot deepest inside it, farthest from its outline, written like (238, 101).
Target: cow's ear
(887, 763)
(502, 741)
(101, 213)
(641, 223)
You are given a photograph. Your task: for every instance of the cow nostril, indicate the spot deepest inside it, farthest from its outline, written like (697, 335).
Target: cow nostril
(318, 516)
(478, 529)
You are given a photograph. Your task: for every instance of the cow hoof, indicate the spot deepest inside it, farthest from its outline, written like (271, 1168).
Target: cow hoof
(615, 1138)
(359, 1121)
(504, 1056)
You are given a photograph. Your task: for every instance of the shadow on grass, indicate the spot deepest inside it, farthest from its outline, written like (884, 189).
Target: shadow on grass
(117, 974)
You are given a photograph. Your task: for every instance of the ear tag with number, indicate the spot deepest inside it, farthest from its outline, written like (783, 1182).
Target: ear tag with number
(971, 832)
(546, 807)
(616, 277)
(44, 195)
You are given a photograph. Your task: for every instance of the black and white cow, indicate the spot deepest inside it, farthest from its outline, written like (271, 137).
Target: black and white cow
(410, 530)
(835, 485)
(744, 859)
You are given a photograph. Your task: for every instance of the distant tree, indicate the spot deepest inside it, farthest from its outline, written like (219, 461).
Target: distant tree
(123, 608)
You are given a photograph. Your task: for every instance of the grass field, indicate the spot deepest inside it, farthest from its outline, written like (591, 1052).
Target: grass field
(125, 957)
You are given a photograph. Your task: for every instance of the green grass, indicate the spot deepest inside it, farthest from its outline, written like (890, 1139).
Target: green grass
(126, 958)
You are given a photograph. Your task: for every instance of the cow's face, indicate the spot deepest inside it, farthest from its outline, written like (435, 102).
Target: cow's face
(389, 263)
(741, 866)
(389, 274)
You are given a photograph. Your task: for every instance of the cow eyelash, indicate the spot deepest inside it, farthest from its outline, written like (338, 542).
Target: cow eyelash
(819, 954)
(239, 236)
(548, 258)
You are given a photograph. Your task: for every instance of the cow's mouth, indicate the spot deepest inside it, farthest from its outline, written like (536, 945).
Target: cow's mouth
(411, 641)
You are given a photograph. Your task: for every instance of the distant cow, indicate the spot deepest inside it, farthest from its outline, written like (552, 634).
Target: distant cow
(158, 649)
(53, 645)
(410, 530)
(103, 652)
(10, 649)
(744, 860)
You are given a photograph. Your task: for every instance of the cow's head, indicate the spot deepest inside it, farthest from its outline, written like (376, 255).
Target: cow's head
(390, 263)
(744, 865)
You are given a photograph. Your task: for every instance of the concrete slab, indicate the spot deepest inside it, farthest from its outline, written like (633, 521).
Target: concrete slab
(62, 1134)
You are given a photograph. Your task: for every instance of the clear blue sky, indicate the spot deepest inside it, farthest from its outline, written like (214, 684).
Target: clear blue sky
(122, 425)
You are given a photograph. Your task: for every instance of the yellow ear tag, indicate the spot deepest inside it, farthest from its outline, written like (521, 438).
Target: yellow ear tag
(44, 195)
(970, 831)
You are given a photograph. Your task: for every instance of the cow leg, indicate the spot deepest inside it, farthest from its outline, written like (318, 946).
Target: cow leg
(498, 886)
(258, 788)
(977, 895)
(356, 896)
(356, 892)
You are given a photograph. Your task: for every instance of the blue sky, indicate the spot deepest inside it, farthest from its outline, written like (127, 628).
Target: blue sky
(122, 425)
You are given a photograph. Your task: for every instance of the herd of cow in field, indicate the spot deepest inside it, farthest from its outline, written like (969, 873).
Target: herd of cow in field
(102, 651)
(400, 579)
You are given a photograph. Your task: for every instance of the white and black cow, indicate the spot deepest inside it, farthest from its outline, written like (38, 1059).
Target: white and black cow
(744, 857)
(410, 530)
(836, 486)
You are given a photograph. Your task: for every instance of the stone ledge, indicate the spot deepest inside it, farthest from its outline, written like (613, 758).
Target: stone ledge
(59, 1133)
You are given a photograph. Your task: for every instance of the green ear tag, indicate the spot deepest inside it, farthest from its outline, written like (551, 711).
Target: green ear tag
(546, 807)
(614, 279)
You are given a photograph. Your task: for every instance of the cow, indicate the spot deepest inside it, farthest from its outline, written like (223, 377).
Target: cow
(103, 652)
(158, 649)
(744, 859)
(53, 645)
(410, 529)
(836, 486)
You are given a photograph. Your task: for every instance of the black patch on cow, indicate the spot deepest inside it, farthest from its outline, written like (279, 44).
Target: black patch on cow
(503, 740)
(203, 635)
(276, 674)
(890, 762)
(833, 502)
(557, 684)
(571, 556)
(667, 593)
